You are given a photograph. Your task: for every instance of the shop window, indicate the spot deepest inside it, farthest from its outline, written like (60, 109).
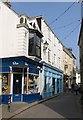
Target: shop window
(5, 83)
(33, 84)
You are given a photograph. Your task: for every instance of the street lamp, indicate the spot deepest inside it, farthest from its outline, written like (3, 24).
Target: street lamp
(45, 45)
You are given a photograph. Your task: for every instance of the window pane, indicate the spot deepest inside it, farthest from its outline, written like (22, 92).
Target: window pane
(33, 84)
(4, 83)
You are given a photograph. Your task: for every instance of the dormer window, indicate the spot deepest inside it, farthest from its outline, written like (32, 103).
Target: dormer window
(21, 20)
(34, 25)
(25, 21)
(31, 24)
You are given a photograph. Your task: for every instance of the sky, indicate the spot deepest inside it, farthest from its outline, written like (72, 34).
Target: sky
(68, 35)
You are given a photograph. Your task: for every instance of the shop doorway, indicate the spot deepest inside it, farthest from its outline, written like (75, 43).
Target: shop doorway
(53, 85)
(17, 87)
(57, 85)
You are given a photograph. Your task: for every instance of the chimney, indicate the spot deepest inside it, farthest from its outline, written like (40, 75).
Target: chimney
(70, 49)
(7, 3)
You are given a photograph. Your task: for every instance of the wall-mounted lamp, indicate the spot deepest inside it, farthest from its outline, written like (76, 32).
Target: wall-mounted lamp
(45, 45)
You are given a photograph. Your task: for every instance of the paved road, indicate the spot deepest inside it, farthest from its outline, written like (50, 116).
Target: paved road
(64, 106)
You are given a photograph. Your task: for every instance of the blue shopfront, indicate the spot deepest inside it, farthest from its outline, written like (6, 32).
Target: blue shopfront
(53, 80)
(20, 79)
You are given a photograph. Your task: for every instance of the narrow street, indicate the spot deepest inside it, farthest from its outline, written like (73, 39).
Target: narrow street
(66, 105)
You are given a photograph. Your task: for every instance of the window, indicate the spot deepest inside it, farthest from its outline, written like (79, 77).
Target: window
(5, 83)
(34, 25)
(25, 21)
(49, 55)
(33, 84)
(59, 62)
(49, 34)
(54, 58)
(30, 24)
(21, 20)
(34, 45)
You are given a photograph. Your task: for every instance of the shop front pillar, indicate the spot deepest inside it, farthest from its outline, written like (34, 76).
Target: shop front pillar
(50, 86)
(41, 81)
(55, 85)
(27, 79)
(62, 82)
(22, 84)
(11, 82)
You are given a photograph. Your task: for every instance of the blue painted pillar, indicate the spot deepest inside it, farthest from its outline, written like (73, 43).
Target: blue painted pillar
(55, 85)
(50, 84)
(59, 85)
(62, 82)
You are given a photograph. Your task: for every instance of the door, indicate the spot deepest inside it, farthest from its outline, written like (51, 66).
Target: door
(53, 85)
(17, 87)
(57, 85)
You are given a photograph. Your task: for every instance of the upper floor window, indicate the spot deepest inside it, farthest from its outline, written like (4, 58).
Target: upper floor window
(34, 45)
(49, 55)
(54, 58)
(25, 21)
(21, 20)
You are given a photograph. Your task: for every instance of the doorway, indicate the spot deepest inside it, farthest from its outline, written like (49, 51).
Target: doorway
(53, 85)
(17, 87)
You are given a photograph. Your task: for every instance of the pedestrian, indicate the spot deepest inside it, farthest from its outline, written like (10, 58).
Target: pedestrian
(76, 88)
(72, 87)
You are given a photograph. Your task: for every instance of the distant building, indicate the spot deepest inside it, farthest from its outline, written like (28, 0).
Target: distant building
(78, 78)
(69, 67)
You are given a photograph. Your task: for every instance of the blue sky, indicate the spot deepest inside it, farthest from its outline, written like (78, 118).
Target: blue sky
(50, 11)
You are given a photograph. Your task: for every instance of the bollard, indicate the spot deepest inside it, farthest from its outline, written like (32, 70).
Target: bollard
(9, 101)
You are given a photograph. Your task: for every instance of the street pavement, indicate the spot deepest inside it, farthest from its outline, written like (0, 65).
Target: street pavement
(66, 105)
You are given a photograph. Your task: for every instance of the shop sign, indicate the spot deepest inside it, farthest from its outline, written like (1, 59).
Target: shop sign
(26, 63)
(15, 63)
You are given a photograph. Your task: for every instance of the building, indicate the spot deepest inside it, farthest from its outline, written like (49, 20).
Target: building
(52, 61)
(78, 79)
(80, 43)
(31, 57)
(69, 67)
(20, 75)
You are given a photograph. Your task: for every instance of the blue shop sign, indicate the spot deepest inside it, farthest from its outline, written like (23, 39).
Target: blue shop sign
(34, 71)
(5, 69)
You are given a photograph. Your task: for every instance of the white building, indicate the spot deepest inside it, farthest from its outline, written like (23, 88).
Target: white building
(78, 78)
(31, 57)
(51, 54)
(19, 41)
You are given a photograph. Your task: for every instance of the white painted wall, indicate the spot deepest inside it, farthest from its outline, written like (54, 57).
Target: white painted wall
(8, 32)
(78, 78)
(13, 40)
(54, 46)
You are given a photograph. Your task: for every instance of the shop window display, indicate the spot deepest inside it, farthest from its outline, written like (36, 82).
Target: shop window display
(25, 83)
(33, 84)
(4, 83)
